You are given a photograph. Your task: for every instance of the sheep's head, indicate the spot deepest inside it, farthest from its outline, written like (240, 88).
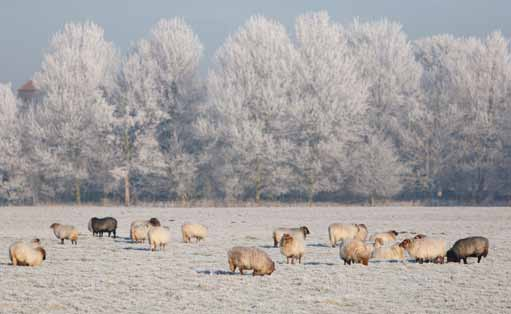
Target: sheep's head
(42, 251)
(419, 236)
(405, 244)
(378, 242)
(272, 268)
(35, 242)
(286, 239)
(394, 232)
(54, 225)
(154, 222)
(305, 231)
(452, 256)
(362, 226)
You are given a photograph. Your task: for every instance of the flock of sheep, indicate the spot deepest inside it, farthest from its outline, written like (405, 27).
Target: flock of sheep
(353, 248)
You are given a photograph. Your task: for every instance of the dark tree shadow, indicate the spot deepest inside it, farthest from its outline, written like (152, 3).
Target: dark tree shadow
(267, 247)
(130, 248)
(319, 245)
(319, 264)
(216, 272)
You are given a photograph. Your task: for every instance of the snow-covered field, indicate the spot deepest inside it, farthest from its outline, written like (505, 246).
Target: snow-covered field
(105, 275)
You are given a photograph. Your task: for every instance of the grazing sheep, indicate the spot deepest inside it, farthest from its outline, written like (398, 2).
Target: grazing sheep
(247, 258)
(395, 252)
(303, 231)
(340, 232)
(27, 254)
(426, 249)
(196, 231)
(65, 232)
(139, 229)
(388, 236)
(468, 247)
(100, 225)
(355, 251)
(158, 236)
(292, 248)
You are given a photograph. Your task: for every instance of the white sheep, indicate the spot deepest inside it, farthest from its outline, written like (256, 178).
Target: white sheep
(158, 237)
(27, 254)
(340, 232)
(355, 251)
(425, 249)
(301, 232)
(139, 229)
(292, 248)
(246, 258)
(388, 236)
(395, 252)
(65, 232)
(196, 231)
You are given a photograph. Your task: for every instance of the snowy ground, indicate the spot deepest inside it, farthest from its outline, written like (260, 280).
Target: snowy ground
(103, 275)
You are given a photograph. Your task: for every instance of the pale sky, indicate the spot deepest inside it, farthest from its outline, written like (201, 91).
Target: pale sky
(26, 26)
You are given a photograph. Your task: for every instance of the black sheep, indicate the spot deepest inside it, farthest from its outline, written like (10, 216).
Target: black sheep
(468, 247)
(99, 225)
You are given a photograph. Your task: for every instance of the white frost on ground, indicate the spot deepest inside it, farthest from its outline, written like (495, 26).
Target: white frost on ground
(103, 275)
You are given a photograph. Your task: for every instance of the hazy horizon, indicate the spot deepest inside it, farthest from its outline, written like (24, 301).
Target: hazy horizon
(26, 27)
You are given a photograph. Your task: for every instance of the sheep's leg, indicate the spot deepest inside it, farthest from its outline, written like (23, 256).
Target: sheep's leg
(241, 270)
(287, 260)
(464, 260)
(300, 259)
(292, 260)
(115, 234)
(61, 241)
(275, 243)
(479, 259)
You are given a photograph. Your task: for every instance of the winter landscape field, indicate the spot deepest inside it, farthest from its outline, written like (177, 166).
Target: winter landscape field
(106, 275)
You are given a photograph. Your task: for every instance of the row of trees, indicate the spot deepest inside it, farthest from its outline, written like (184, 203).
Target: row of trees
(342, 112)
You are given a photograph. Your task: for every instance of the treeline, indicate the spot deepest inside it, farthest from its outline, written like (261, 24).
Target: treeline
(329, 112)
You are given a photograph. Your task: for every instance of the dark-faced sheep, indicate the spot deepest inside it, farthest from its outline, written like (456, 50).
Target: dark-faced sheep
(302, 232)
(388, 236)
(247, 258)
(139, 229)
(468, 247)
(98, 226)
(426, 249)
(65, 232)
(355, 251)
(340, 232)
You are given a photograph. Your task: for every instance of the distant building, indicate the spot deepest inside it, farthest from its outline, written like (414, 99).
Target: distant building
(29, 94)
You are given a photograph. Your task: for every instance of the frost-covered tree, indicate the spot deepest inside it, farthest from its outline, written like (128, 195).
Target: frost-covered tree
(73, 124)
(162, 95)
(250, 94)
(375, 170)
(387, 63)
(11, 179)
(329, 109)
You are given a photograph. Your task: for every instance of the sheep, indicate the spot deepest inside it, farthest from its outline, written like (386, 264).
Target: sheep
(247, 258)
(355, 251)
(395, 252)
(426, 249)
(27, 254)
(338, 232)
(67, 232)
(385, 236)
(292, 247)
(139, 228)
(158, 236)
(100, 225)
(196, 231)
(468, 247)
(303, 231)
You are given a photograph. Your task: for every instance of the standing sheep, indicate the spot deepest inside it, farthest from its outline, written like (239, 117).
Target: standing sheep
(340, 232)
(468, 247)
(426, 249)
(395, 252)
(303, 231)
(139, 229)
(292, 248)
(27, 254)
(100, 225)
(158, 237)
(385, 236)
(196, 231)
(65, 232)
(247, 258)
(355, 251)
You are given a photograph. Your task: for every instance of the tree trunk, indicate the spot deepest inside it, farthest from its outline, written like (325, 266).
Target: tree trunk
(78, 196)
(258, 184)
(371, 200)
(311, 191)
(127, 190)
